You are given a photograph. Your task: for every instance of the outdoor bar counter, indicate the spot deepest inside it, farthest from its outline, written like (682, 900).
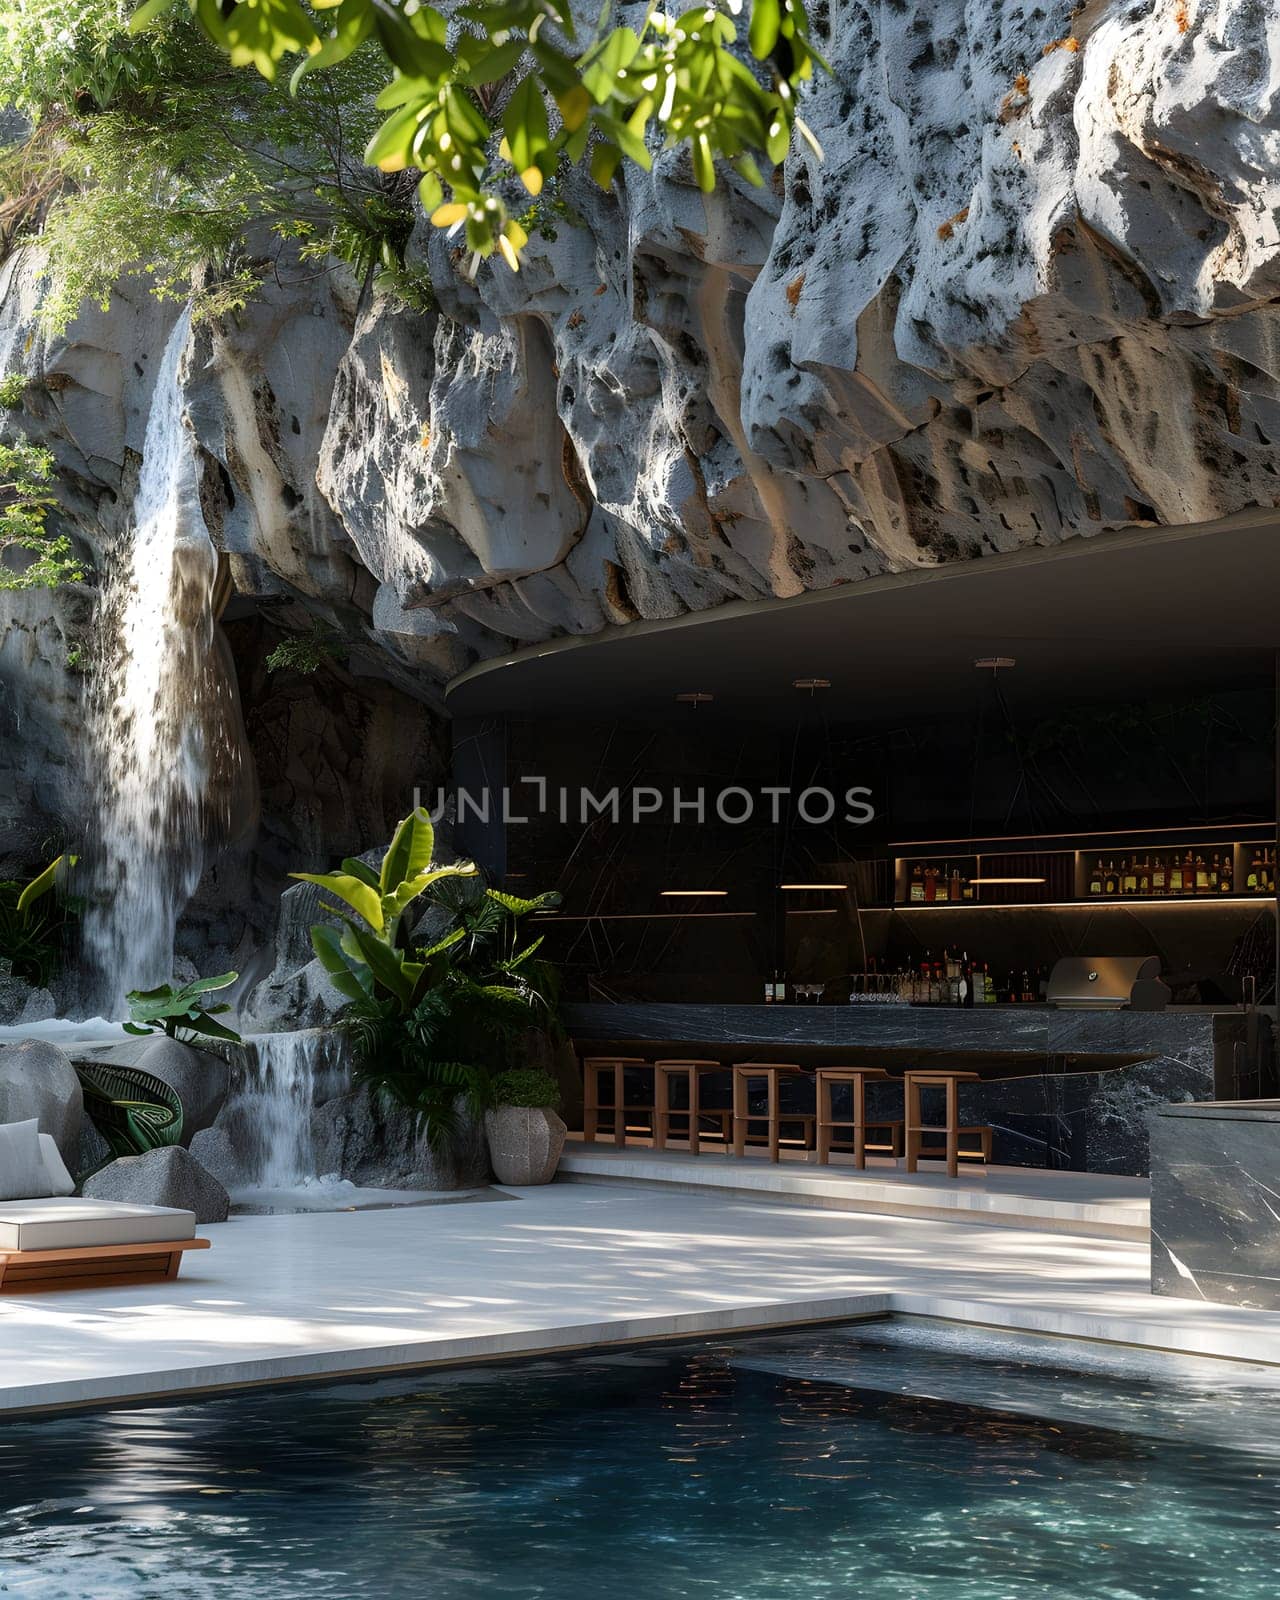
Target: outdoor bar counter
(1060, 1088)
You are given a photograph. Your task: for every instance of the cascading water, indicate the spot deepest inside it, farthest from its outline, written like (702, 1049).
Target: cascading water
(160, 705)
(268, 1117)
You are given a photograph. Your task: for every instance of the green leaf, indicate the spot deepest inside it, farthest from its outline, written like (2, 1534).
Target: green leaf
(350, 977)
(362, 899)
(42, 883)
(139, 1032)
(147, 13)
(203, 1022)
(766, 17)
(391, 148)
(525, 124)
(410, 851)
(495, 64)
(704, 166)
(352, 26)
(611, 57)
(361, 870)
(387, 967)
(204, 985)
(605, 159)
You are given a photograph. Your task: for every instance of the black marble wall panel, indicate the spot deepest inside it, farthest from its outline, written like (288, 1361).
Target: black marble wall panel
(1215, 1203)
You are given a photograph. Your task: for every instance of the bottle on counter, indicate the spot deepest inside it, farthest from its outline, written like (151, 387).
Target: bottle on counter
(1175, 876)
(915, 893)
(1095, 877)
(942, 888)
(1129, 875)
(1159, 876)
(1227, 873)
(1144, 876)
(1110, 882)
(1201, 880)
(930, 885)
(1253, 882)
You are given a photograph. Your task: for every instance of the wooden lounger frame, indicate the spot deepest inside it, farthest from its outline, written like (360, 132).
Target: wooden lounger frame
(92, 1266)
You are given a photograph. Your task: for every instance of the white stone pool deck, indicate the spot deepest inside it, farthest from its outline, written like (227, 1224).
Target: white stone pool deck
(291, 1297)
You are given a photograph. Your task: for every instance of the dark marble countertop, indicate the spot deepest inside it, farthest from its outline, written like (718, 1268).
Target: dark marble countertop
(1039, 1030)
(1225, 1110)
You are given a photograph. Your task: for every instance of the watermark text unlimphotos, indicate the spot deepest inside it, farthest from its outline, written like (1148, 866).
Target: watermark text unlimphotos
(534, 800)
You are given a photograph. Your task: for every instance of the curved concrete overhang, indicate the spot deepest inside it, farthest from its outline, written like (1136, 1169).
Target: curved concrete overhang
(1117, 615)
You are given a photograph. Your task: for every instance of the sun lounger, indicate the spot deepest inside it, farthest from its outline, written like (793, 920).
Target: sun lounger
(67, 1243)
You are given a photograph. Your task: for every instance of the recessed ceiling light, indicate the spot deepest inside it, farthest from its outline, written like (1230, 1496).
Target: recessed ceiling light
(694, 697)
(811, 683)
(995, 663)
(832, 886)
(693, 894)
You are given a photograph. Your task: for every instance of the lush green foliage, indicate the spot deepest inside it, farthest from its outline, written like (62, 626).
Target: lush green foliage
(526, 1086)
(148, 154)
(306, 652)
(30, 556)
(613, 88)
(181, 1010)
(431, 1023)
(13, 389)
(35, 919)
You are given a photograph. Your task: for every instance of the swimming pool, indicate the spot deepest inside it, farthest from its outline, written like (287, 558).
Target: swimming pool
(876, 1460)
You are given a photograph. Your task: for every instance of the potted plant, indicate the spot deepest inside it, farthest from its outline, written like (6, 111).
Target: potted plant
(525, 1134)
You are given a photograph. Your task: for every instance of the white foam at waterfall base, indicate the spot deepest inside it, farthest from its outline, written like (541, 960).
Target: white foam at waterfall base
(268, 1120)
(152, 711)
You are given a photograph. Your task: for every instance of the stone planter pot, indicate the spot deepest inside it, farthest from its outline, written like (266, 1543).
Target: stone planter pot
(524, 1144)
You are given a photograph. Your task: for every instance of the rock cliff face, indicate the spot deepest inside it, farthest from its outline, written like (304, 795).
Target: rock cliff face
(1030, 294)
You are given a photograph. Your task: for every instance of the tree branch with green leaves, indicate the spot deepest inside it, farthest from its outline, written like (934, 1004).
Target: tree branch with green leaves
(606, 94)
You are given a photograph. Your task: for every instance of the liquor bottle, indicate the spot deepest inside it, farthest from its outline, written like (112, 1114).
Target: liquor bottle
(1188, 874)
(1201, 879)
(988, 986)
(955, 884)
(1095, 877)
(1159, 876)
(1215, 871)
(930, 885)
(916, 892)
(1144, 876)
(1110, 882)
(1175, 876)
(966, 887)
(1254, 880)
(1129, 875)
(1227, 874)
(942, 890)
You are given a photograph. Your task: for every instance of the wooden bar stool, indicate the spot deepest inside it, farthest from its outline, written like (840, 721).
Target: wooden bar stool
(592, 1067)
(694, 1072)
(828, 1122)
(949, 1082)
(772, 1072)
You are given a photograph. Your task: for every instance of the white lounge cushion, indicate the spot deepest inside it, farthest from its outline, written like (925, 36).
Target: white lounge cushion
(23, 1173)
(60, 1180)
(64, 1224)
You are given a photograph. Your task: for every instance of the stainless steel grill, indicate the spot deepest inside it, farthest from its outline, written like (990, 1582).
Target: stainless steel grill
(1107, 983)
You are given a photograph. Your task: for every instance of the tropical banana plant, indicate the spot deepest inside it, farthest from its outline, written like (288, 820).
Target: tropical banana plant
(366, 955)
(181, 1011)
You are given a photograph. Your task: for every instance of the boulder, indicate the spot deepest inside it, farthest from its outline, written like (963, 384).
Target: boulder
(22, 1003)
(524, 1143)
(200, 1079)
(214, 1150)
(170, 1176)
(378, 1147)
(38, 1080)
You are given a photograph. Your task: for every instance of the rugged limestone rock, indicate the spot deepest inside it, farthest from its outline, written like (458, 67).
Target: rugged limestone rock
(38, 1080)
(22, 1002)
(170, 1176)
(214, 1150)
(378, 1147)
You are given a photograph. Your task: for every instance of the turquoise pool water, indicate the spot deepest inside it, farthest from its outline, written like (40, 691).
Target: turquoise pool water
(834, 1463)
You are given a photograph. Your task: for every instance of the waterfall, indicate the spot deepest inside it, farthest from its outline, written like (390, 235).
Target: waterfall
(268, 1117)
(157, 712)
